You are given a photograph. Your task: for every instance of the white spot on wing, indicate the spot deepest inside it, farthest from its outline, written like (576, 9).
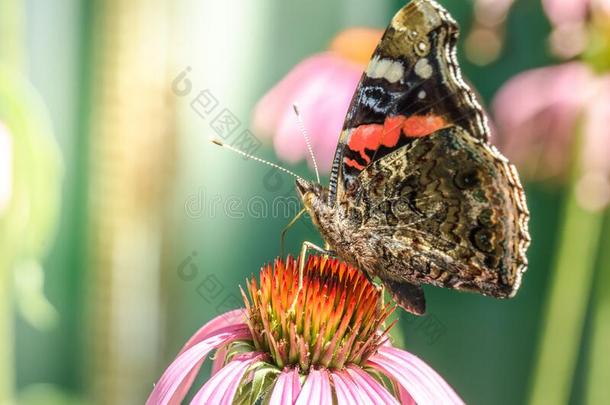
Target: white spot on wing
(423, 69)
(388, 69)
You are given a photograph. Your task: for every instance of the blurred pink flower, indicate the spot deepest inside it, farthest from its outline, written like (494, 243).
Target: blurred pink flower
(575, 23)
(538, 114)
(322, 86)
(570, 31)
(535, 116)
(486, 38)
(573, 11)
(566, 11)
(325, 345)
(596, 146)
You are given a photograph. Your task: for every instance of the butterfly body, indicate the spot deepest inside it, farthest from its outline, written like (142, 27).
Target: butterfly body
(417, 195)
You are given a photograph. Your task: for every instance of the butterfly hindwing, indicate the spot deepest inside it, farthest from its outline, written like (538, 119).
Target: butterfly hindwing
(411, 88)
(408, 296)
(447, 210)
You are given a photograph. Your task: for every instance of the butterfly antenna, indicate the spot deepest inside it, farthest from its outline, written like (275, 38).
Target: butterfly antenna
(307, 140)
(231, 148)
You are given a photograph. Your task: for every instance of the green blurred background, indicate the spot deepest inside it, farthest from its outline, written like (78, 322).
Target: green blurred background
(113, 178)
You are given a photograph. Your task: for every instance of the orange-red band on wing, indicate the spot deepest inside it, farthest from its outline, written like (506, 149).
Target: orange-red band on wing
(422, 125)
(372, 136)
(353, 163)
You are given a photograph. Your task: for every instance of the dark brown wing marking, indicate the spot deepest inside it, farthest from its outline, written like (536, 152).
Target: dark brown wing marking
(449, 210)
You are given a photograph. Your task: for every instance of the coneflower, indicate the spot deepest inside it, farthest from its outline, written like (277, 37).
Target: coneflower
(326, 345)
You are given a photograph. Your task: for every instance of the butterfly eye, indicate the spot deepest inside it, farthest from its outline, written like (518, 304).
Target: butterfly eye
(352, 186)
(466, 179)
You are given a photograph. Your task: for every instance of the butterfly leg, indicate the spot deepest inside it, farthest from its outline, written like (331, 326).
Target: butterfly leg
(304, 248)
(379, 286)
(302, 256)
(285, 230)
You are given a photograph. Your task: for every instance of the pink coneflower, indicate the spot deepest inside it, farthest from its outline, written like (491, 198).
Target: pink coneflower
(575, 23)
(322, 86)
(326, 345)
(538, 115)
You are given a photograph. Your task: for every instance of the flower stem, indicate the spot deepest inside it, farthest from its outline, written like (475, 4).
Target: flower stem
(567, 299)
(597, 391)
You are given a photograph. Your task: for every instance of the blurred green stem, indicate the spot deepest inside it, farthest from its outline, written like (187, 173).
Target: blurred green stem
(597, 390)
(7, 344)
(567, 299)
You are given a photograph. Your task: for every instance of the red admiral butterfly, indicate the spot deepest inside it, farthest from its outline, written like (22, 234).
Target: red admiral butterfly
(417, 195)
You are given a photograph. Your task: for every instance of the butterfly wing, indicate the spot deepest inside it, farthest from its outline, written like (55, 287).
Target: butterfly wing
(411, 88)
(447, 209)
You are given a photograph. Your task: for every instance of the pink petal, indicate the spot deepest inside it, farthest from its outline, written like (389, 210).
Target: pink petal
(177, 379)
(597, 135)
(323, 102)
(566, 11)
(295, 384)
(415, 376)
(316, 389)
(345, 389)
(348, 387)
(221, 388)
(402, 357)
(373, 388)
(529, 93)
(326, 392)
(603, 6)
(286, 389)
(405, 397)
(273, 104)
(235, 317)
(219, 359)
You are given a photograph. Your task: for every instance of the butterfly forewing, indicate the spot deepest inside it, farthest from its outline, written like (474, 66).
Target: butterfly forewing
(411, 88)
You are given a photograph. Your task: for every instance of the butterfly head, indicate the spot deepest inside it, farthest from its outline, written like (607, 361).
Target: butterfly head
(314, 197)
(311, 193)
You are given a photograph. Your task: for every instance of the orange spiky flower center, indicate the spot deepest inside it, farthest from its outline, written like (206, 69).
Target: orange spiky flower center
(337, 318)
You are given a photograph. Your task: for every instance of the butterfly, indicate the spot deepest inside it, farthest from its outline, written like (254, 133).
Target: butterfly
(417, 194)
